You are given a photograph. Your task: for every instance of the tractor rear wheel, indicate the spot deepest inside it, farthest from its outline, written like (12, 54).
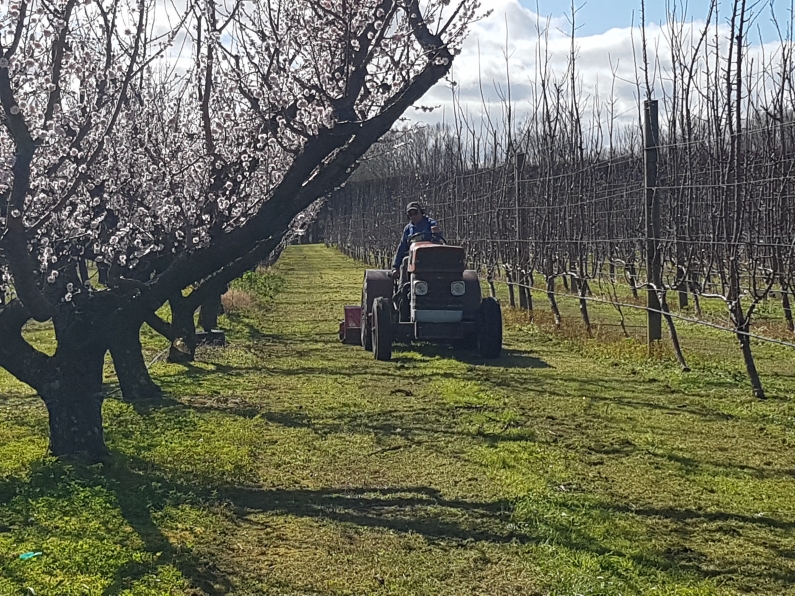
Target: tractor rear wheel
(490, 328)
(382, 329)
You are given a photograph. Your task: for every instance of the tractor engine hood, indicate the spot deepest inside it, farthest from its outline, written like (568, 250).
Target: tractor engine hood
(425, 257)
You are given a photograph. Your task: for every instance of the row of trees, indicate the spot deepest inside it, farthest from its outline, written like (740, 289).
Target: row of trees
(568, 194)
(171, 149)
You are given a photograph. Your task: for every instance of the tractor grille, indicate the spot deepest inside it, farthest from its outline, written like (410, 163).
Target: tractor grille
(438, 296)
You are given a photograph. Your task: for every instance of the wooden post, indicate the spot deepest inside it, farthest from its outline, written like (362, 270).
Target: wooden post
(517, 179)
(651, 134)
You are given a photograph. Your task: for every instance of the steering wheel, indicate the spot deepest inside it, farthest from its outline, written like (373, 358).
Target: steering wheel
(425, 237)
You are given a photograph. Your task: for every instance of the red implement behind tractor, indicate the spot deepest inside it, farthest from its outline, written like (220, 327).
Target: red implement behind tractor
(434, 299)
(350, 326)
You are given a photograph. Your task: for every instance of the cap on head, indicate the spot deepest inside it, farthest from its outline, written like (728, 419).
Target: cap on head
(414, 205)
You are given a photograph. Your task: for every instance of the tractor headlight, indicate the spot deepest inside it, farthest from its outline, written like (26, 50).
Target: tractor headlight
(457, 288)
(420, 288)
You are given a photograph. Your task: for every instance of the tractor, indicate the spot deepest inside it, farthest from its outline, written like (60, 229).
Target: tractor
(435, 299)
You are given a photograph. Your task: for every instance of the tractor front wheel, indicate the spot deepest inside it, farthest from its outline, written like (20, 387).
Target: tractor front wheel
(367, 331)
(490, 328)
(382, 329)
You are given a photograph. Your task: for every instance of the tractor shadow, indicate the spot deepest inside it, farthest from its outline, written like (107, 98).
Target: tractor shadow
(510, 358)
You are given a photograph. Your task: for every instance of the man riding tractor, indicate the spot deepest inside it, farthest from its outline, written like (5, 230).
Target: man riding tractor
(428, 295)
(420, 228)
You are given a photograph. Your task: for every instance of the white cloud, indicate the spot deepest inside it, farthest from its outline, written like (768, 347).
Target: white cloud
(516, 39)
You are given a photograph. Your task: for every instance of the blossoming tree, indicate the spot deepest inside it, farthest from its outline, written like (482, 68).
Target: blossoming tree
(172, 148)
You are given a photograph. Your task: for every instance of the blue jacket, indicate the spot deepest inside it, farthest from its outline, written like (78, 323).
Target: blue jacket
(423, 227)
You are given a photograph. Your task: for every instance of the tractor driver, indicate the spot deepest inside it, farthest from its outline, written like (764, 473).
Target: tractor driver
(419, 223)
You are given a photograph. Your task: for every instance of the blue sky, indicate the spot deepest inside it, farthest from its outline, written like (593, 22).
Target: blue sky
(598, 16)
(607, 51)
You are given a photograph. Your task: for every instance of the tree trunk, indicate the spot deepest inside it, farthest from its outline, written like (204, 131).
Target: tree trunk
(750, 365)
(208, 315)
(680, 357)
(529, 283)
(697, 305)
(683, 298)
(102, 273)
(633, 279)
(511, 293)
(553, 304)
(742, 328)
(183, 327)
(786, 305)
(492, 287)
(128, 360)
(74, 403)
(581, 287)
(523, 293)
(83, 270)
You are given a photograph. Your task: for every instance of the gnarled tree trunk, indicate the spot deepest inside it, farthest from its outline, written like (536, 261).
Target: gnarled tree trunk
(128, 360)
(72, 385)
(183, 328)
(208, 315)
(74, 404)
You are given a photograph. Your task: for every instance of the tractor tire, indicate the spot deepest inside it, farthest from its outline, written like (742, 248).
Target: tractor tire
(490, 329)
(367, 334)
(367, 330)
(382, 329)
(377, 283)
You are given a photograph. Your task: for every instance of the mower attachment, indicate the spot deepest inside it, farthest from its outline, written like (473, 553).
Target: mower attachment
(351, 325)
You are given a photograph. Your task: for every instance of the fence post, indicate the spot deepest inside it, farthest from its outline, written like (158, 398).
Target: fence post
(651, 134)
(521, 278)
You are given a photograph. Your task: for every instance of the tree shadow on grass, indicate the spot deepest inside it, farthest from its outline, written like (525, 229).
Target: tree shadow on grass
(425, 511)
(319, 342)
(683, 515)
(138, 498)
(364, 367)
(687, 405)
(142, 490)
(251, 331)
(410, 426)
(412, 509)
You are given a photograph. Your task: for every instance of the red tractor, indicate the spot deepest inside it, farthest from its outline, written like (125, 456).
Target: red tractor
(434, 299)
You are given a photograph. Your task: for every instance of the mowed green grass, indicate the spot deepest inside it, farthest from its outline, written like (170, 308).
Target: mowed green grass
(289, 463)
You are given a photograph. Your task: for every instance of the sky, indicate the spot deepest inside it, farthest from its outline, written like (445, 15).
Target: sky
(607, 50)
(598, 16)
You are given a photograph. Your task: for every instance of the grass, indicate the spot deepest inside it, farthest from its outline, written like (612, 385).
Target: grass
(288, 463)
(702, 345)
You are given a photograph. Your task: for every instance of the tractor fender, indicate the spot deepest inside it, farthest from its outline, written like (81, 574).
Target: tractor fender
(472, 295)
(377, 283)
